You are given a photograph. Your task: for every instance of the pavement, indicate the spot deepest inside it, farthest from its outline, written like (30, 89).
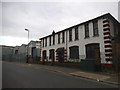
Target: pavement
(97, 76)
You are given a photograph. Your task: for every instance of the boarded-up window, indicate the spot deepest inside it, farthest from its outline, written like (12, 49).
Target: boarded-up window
(91, 51)
(74, 52)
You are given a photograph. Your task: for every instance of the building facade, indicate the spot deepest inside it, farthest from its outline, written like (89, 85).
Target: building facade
(19, 53)
(20, 49)
(34, 50)
(90, 40)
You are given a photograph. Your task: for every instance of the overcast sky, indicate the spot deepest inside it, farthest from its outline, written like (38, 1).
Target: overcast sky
(41, 18)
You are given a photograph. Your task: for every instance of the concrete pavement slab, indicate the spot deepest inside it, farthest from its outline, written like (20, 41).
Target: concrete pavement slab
(90, 75)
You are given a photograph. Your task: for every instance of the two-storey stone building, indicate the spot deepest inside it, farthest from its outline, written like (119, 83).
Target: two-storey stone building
(91, 40)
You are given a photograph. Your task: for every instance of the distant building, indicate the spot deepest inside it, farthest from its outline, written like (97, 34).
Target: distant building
(34, 50)
(90, 40)
(20, 53)
(7, 52)
(16, 49)
(21, 49)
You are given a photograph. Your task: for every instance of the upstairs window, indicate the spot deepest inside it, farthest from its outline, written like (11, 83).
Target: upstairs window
(86, 30)
(58, 38)
(76, 33)
(63, 37)
(95, 28)
(53, 39)
(70, 35)
(50, 41)
(45, 42)
(53, 34)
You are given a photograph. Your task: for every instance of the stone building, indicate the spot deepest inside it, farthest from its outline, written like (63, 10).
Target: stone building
(90, 40)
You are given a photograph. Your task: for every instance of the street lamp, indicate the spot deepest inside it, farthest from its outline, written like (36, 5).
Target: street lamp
(28, 42)
(28, 34)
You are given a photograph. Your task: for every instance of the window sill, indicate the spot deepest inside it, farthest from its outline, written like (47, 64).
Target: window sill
(70, 41)
(96, 36)
(76, 39)
(86, 37)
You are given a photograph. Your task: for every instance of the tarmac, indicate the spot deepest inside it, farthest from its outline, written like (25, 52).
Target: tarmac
(112, 78)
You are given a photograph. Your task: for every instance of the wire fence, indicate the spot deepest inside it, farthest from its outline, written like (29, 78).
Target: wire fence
(15, 57)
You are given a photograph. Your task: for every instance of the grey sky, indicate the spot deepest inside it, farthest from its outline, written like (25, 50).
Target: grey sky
(41, 18)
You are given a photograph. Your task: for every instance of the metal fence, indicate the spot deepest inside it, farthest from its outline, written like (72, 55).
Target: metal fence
(15, 57)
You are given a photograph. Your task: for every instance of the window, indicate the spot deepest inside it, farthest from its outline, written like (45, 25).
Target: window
(70, 35)
(46, 42)
(50, 41)
(86, 30)
(74, 52)
(58, 38)
(91, 51)
(44, 55)
(53, 39)
(76, 33)
(95, 28)
(16, 51)
(43, 43)
(51, 54)
(60, 54)
(53, 34)
(63, 37)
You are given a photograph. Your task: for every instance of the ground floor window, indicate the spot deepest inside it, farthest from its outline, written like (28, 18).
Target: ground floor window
(60, 53)
(44, 55)
(74, 52)
(51, 54)
(92, 51)
(16, 51)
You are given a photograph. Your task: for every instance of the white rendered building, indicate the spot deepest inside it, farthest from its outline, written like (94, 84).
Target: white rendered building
(91, 40)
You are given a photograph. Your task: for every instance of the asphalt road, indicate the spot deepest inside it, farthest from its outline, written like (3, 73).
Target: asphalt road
(21, 76)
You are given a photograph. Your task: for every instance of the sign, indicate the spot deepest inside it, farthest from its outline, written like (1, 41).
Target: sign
(38, 44)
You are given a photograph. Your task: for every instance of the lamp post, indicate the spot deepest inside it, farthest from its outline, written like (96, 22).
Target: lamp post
(28, 42)
(28, 34)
